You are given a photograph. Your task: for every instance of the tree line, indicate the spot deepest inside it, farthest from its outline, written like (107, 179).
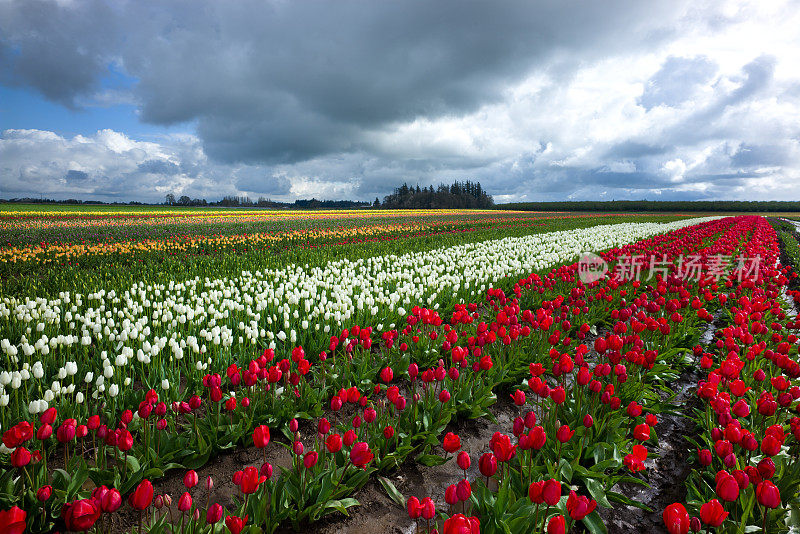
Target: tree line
(658, 205)
(458, 195)
(247, 202)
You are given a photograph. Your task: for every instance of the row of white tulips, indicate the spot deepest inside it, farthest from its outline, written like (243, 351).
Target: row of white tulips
(79, 345)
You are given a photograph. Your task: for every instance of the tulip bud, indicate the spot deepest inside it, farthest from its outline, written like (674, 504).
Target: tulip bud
(190, 479)
(451, 495)
(185, 502)
(44, 493)
(463, 460)
(214, 514)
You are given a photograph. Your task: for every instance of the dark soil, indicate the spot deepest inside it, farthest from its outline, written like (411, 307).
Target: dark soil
(667, 467)
(380, 515)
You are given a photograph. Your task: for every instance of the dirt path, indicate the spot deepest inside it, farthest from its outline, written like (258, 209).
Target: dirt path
(665, 473)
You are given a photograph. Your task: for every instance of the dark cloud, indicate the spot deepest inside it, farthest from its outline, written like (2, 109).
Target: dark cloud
(677, 81)
(59, 50)
(76, 176)
(257, 183)
(634, 149)
(159, 166)
(284, 82)
(751, 155)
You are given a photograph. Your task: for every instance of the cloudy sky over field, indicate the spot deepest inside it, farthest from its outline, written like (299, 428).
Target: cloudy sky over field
(283, 99)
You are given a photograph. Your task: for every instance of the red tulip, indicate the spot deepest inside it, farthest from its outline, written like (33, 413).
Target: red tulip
(414, 508)
(428, 508)
(579, 506)
(251, 479)
(20, 457)
(13, 521)
(214, 514)
(143, 496)
(334, 443)
(558, 395)
(387, 374)
(641, 432)
(323, 426)
(551, 491)
(712, 513)
(17, 435)
(111, 501)
(556, 525)
(235, 524)
(451, 495)
(81, 515)
(190, 479)
(768, 494)
(676, 518)
(48, 417)
(361, 455)
(727, 487)
(502, 447)
(124, 440)
(460, 524)
(463, 460)
(451, 442)
(265, 471)
(261, 436)
(310, 459)
(537, 437)
(185, 502)
(463, 490)
(44, 493)
(564, 433)
(535, 492)
(766, 468)
(770, 445)
(44, 432)
(487, 464)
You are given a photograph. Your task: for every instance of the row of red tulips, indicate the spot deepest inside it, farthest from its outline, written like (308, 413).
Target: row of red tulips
(747, 472)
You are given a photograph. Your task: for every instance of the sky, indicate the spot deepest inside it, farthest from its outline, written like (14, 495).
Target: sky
(557, 100)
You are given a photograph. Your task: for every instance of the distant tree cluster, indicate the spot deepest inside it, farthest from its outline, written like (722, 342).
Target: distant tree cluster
(184, 200)
(247, 202)
(459, 195)
(658, 205)
(29, 200)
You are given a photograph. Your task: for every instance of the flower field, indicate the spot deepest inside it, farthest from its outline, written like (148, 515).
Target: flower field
(335, 350)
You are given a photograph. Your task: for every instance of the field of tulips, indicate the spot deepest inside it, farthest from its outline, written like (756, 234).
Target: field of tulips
(333, 361)
(44, 253)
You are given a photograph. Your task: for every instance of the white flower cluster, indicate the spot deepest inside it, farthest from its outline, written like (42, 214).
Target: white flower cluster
(122, 337)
